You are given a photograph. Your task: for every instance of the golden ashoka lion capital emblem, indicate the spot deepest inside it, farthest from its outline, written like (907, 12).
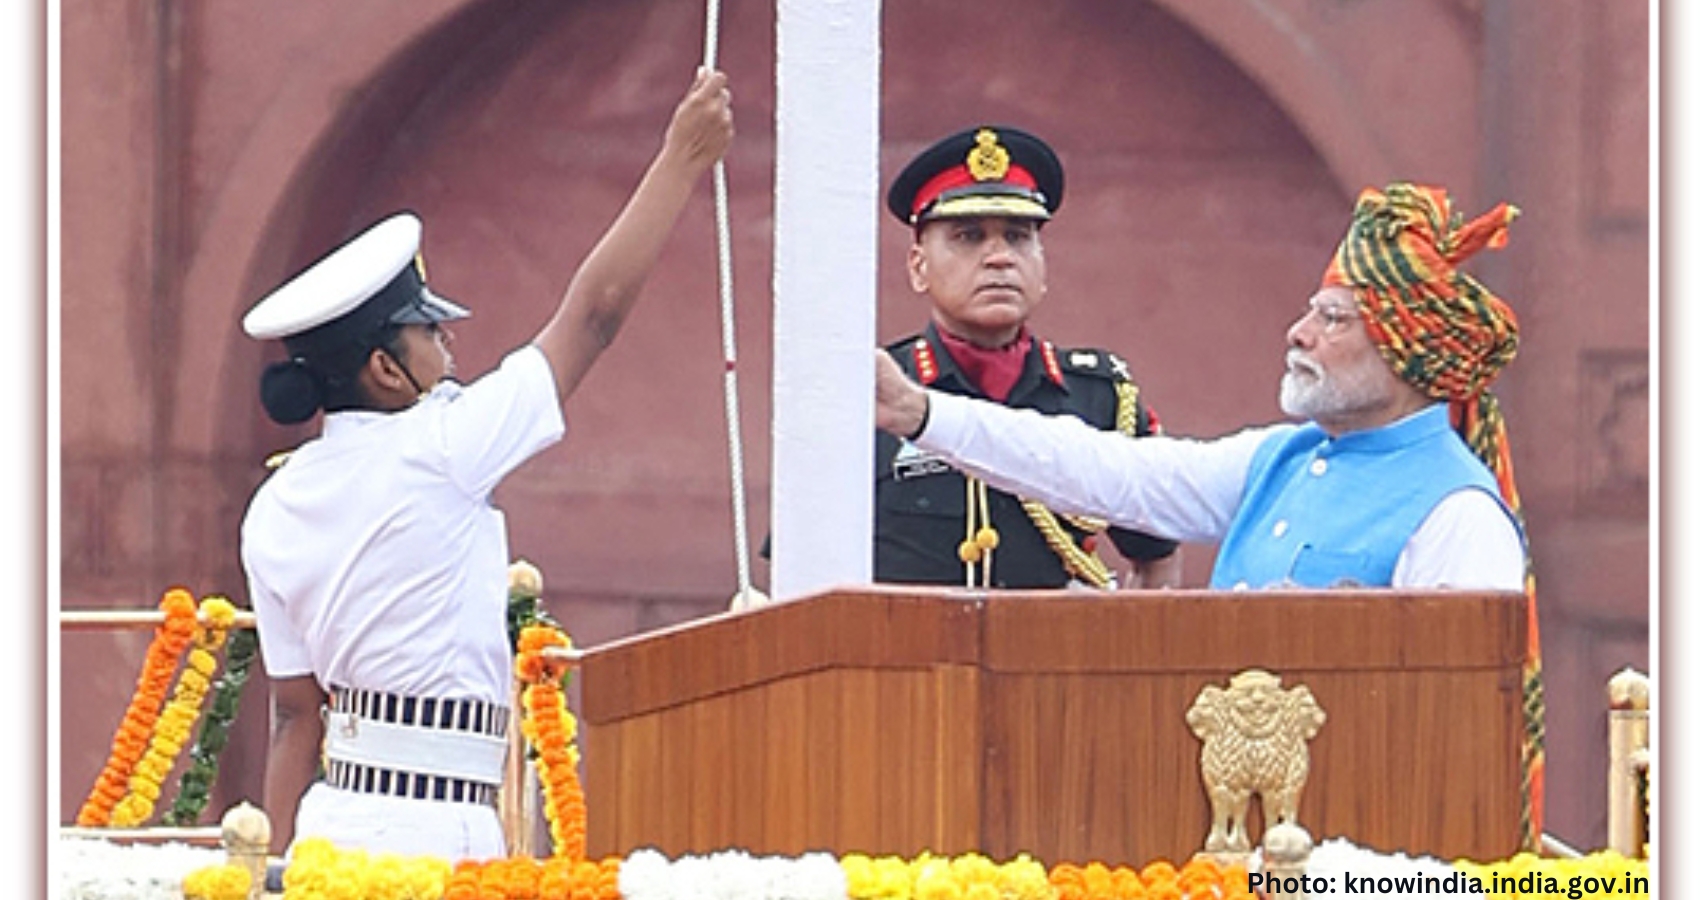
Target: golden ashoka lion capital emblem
(1255, 735)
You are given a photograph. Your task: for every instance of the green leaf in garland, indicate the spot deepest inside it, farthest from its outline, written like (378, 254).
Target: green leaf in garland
(194, 787)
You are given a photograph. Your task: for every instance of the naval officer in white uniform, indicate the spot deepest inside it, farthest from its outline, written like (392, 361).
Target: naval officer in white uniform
(377, 565)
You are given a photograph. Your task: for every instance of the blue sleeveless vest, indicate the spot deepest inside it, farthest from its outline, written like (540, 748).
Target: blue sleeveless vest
(1320, 512)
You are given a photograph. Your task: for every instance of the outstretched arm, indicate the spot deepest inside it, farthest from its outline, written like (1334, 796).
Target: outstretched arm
(607, 283)
(1181, 489)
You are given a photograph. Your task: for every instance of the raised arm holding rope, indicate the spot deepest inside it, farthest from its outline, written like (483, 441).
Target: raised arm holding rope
(377, 565)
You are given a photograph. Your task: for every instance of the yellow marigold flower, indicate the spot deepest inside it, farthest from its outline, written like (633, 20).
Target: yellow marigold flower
(152, 768)
(219, 611)
(937, 887)
(169, 737)
(970, 868)
(310, 852)
(859, 878)
(193, 680)
(1024, 879)
(220, 882)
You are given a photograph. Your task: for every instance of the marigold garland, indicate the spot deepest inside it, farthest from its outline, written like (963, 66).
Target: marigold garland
(1528, 875)
(318, 870)
(172, 730)
(508, 878)
(970, 876)
(170, 639)
(194, 788)
(551, 729)
(1199, 879)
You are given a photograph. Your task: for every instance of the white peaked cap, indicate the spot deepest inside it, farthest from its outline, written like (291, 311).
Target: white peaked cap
(380, 264)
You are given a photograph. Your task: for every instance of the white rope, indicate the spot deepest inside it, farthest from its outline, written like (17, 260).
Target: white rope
(728, 339)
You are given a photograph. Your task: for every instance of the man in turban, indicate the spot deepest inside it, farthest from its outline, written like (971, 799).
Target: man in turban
(1399, 474)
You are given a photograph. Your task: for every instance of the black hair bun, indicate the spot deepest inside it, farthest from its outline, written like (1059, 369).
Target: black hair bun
(290, 392)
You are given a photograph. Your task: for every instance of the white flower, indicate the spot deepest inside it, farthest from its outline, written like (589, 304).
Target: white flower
(817, 876)
(95, 869)
(1383, 874)
(646, 875)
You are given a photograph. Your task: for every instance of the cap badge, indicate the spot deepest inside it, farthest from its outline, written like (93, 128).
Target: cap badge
(419, 263)
(988, 161)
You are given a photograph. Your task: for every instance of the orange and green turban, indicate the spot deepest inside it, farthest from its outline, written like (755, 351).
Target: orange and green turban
(1441, 330)
(1448, 336)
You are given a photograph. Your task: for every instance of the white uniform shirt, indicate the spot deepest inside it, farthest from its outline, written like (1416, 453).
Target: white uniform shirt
(375, 559)
(1190, 490)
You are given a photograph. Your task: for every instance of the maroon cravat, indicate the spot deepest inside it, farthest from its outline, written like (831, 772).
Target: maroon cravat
(994, 371)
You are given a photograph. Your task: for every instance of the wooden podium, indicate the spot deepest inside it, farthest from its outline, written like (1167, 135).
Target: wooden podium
(896, 720)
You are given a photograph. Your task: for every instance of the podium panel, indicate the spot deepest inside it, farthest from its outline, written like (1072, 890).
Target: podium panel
(888, 720)
(1089, 754)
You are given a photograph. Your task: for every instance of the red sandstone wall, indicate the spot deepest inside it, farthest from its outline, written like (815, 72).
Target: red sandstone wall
(1211, 153)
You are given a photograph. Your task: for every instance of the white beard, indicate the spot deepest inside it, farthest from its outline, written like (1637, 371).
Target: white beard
(1309, 391)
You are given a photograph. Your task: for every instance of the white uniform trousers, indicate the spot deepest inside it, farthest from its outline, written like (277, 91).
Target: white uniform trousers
(403, 825)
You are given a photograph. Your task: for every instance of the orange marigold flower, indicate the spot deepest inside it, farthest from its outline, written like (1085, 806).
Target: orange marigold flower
(1164, 889)
(1096, 879)
(1127, 883)
(528, 667)
(551, 729)
(169, 642)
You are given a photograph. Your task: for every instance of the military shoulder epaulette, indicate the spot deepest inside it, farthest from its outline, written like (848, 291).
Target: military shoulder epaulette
(916, 356)
(902, 345)
(1087, 361)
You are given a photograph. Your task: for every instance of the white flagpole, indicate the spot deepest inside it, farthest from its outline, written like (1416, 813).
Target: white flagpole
(826, 215)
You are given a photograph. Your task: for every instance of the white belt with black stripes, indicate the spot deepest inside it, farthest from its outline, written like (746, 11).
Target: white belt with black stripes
(426, 748)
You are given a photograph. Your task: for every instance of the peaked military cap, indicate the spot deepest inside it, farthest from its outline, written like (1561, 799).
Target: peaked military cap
(374, 279)
(988, 170)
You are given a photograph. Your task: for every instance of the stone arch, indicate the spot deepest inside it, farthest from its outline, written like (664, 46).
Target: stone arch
(298, 177)
(1320, 66)
(1331, 68)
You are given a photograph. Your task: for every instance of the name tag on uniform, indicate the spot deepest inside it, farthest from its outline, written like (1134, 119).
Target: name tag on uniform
(913, 462)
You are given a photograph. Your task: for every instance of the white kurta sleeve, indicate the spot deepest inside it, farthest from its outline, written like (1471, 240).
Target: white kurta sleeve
(1468, 541)
(1176, 488)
